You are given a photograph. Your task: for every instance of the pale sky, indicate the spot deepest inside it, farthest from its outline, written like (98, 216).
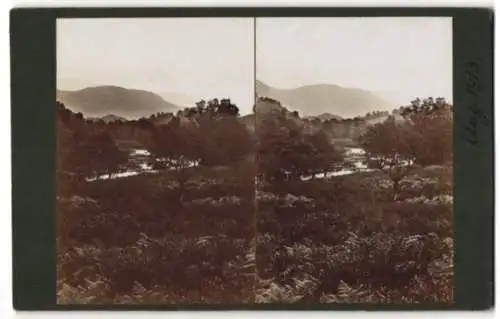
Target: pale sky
(399, 58)
(203, 58)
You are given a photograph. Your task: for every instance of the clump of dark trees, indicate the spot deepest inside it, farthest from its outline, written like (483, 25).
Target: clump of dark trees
(288, 151)
(423, 137)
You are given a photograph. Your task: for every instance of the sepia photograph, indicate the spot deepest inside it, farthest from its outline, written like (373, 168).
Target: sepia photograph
(355, 144)
(254, 160)
(155, 172)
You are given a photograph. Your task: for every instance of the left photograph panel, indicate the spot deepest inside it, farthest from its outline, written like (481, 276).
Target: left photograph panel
(155, 161)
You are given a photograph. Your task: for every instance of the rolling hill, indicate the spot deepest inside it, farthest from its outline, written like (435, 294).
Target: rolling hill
(320, 99)
(100, 101)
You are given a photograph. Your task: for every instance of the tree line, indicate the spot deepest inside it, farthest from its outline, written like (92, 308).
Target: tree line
(208, 134)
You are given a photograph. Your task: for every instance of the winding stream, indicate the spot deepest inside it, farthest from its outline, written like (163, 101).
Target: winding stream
(354, 161)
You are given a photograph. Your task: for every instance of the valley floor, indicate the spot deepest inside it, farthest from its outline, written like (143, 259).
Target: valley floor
(341, 239)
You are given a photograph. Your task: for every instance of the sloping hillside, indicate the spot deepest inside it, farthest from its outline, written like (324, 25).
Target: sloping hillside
(103, 100)
(312, 100)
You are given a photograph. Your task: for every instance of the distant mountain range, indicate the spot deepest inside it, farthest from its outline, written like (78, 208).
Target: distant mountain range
(117, 101)
(325, 100)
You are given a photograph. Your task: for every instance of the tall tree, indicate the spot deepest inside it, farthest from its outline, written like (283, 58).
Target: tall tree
(323, 155)
(387, 145)
(431, 126)
(225, 139)
(175, 147)
(106, 157)
(424, 136)
(286, 148)
(85, 149)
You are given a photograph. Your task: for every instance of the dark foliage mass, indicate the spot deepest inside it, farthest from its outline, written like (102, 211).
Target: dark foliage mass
(219, 210)
(425, 134)
(345, 240)
(182, 234)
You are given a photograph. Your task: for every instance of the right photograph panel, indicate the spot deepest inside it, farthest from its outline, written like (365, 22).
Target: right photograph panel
(354, 185)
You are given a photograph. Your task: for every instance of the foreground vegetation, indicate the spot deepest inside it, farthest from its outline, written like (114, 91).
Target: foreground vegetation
(227, 217)
(127, 242)
(346, 240)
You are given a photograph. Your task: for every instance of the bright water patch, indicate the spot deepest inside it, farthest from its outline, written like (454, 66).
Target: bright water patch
(140, 152)
(354, 151)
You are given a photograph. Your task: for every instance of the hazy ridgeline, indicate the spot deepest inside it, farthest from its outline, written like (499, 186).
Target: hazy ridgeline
(207, 206)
